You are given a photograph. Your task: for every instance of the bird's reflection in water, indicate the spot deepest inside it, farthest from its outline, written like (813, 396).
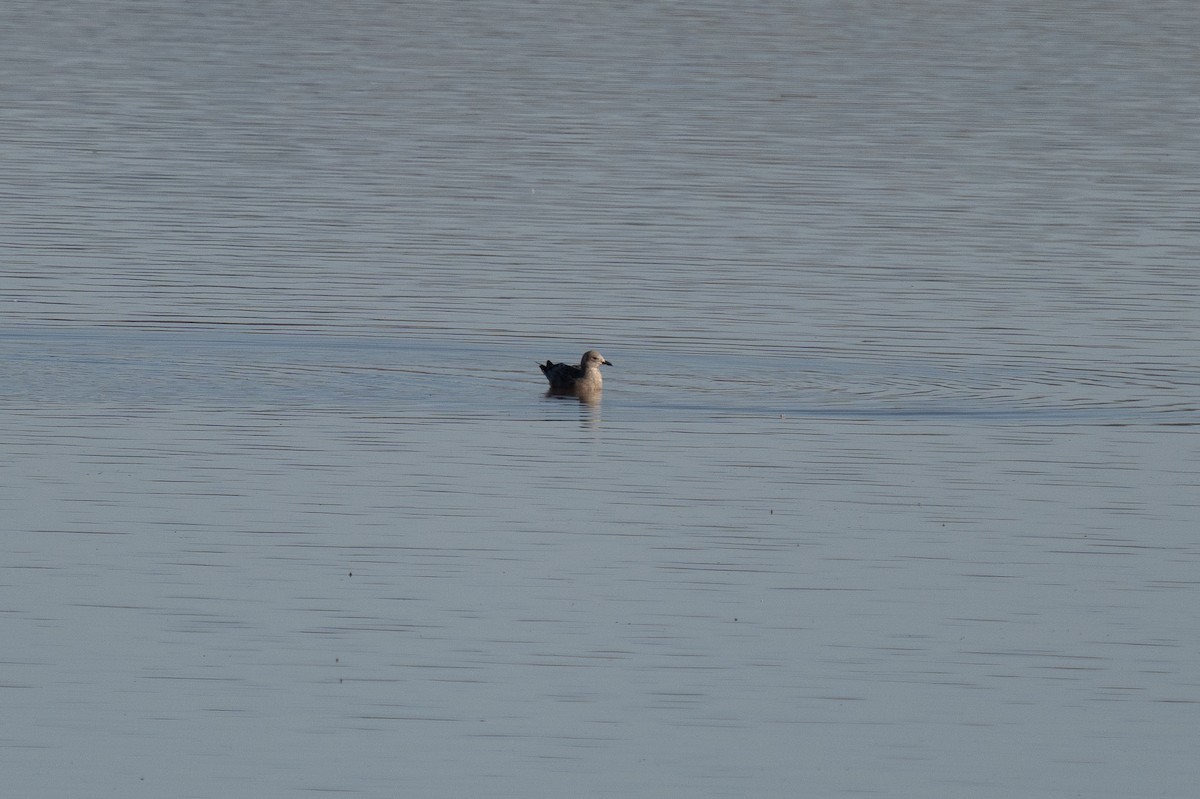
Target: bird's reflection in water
(589, 403)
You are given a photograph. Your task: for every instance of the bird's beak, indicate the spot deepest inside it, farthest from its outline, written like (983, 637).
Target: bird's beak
(607, 363)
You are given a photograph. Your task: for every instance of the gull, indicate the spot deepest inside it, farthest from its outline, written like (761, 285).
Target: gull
(566, 378)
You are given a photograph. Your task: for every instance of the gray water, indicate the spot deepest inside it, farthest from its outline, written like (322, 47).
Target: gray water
(891, 491)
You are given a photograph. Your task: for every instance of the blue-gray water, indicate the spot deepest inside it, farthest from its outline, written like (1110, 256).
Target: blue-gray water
(892, 489)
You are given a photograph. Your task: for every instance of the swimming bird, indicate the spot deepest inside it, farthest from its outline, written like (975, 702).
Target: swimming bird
(566, 378)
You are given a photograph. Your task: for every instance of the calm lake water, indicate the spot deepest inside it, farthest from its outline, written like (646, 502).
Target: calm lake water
(892, 489)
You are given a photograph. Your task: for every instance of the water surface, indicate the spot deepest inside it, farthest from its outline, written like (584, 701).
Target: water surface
(892, 487)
